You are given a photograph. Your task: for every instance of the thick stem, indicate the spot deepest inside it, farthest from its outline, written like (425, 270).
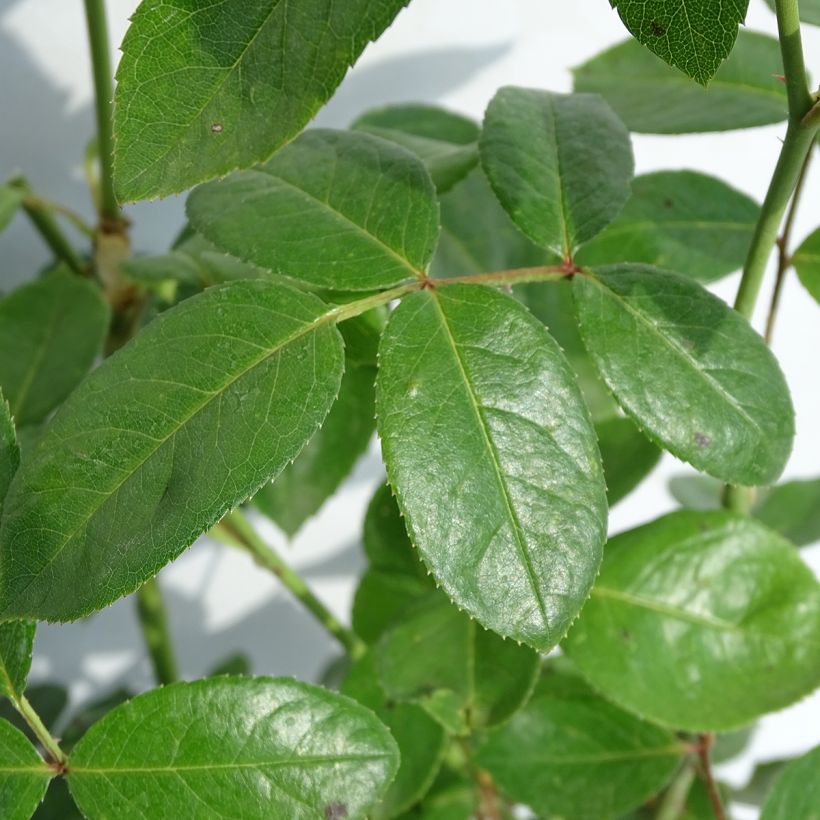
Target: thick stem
(794, 67)
(154, 624)
(238, 526)
(704, 746)
(104, 96)
(37, 726)
(42, 218)
(675, 797)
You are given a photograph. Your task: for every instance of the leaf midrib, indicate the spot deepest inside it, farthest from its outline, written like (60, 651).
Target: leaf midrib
(104, 496)
(521, 547)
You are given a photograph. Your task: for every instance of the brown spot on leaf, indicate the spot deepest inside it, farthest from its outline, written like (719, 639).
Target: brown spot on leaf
(335, 811)
(657, 29)
(702, 440)
(626, 635)
(217, 128)
(668, 203)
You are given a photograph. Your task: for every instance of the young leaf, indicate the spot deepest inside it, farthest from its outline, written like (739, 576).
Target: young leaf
(23, 775)
(695, 36)
(51, 330)
(809, 10)
(796, 792)
(570, 753)
(793, 510)
(559, 164)
(10, 199)
(653, 98)
(493, 458)
(336, 209)
(464, 676)
(689, 370)
(680, 220)
(478, 236)
(304, 486)
(204, 90)
(248, 747)
(421, 740)
(806, 261)
(210, 401)
(661, 636)
(447, 143)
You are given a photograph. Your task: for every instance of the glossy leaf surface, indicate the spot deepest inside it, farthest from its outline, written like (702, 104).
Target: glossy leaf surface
(695, 36)
(479, 410)
(421, 740)
(302, 488)
(249, 747)
(796, 792)
(570, 753)
(478, 236)
(560, 164)
(209, 402)
(681, 220)
(447, 143)
(336, 209)
(690, 371)
(661, 637)
(463, 675)
(23, 775)
(806, 261)
(206, 89)
(51, 330)
(654, 98)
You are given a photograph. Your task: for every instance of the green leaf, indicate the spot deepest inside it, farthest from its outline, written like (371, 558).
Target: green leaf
(381, 598)
(51, 330)
(336, 209)
(560, 164)
(760, 784)
(653, 98)
(386, 542)
(248, 747)
(680, 220)
(793, 510)
(421, 740)
(82, 720)
(806, 261)
(237, 663)
(696, 492)
(16, 645)
(464, 676)
(58, 803)
(48, 700)
(796, 793)
(695, 36)
(451, 797)
(661, 637)
(728, 745)
(809, 10)
(23, 775)
(206, 89)
(478, 236)
(161, 441)
(627, 455)
(570, 753)
(447, 143)
(10, 199)
(493, 458)
(9, 449)
(689, 370)
(303, 487)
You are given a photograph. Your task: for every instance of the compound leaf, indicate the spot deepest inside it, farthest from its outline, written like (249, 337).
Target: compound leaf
(560, 164)
(248, 747)
(570, 753)
(695, 36)
(661, 637)
(210, 401)
(51, 330)
(679, 220)
(479, 411)
(689, 370)
(654, 98)
(205, 89)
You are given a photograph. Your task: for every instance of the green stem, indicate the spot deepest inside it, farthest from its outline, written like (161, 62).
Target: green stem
(675, 797)
(37, 726)
(104, 96)
(41, 216)
(238, 526)
(154, 624)
(794, 66)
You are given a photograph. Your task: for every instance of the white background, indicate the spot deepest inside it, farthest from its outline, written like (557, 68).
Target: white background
(456, 53)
